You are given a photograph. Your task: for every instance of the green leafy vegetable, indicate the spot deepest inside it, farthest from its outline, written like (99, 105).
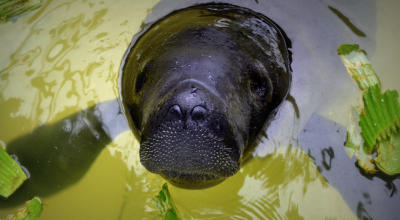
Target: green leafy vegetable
(10, 9)
(355, 141)
(380, 116)
(171, 215)
(11, 174)
(358, 66)
(346, 49)
(375, 126)
(388, 159)
(165, 205)
(31, 212)
(35, 207)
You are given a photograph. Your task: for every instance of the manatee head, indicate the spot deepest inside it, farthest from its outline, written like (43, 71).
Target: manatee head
(198, 86)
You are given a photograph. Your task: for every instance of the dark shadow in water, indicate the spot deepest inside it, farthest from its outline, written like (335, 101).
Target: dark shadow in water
(383, 176)
(375, 192)
(367, 198)
(293, 212)
(347, 21)
(309, 154)
(319, 167)
(291, 99)
(331, 154)
(59, 155)
(362, 214)
(392, 188)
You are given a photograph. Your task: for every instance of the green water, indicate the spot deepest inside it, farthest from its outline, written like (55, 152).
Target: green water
(65, 57)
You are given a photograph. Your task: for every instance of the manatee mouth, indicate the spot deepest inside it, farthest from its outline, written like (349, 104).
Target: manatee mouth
(191, 180)
(190, 154)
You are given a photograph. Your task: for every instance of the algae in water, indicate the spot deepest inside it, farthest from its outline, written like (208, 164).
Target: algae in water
(31, 212)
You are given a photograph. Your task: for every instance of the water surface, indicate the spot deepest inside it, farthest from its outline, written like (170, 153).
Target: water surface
(65, 57)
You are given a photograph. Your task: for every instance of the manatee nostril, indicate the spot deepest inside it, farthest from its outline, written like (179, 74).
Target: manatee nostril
(174, 112)
(198, 113)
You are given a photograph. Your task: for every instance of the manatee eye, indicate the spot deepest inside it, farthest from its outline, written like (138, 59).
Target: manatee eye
(174, 112)
(198, 113)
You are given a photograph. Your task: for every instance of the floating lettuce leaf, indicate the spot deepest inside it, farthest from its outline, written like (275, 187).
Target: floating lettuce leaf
(35, 207)
(355, 142)
(32, 212)
(12, 9)
(11, 174)
(380, 116)
(358, 66)
(388, 159)
(165, 205)
(354, 139)
(378, 121)
(171, 215)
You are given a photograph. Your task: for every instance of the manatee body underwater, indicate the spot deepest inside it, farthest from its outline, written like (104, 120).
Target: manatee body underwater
(199, 85)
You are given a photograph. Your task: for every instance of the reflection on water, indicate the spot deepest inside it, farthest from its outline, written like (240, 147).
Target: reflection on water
(64, 58)
(61, 62)
(56, 62)
(284, 185)
(346, 20)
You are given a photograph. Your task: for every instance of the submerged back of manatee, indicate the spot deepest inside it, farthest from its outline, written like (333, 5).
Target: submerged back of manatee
(191, 102)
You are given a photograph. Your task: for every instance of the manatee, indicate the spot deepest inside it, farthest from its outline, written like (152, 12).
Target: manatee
(199, 85)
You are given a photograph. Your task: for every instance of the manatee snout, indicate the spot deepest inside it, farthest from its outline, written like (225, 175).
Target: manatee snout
(191, 142)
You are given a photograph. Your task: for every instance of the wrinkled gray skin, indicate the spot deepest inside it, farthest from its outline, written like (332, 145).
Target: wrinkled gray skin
(199, 85)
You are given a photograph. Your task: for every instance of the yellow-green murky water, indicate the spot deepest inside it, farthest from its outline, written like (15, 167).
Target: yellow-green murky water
(65, 57)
